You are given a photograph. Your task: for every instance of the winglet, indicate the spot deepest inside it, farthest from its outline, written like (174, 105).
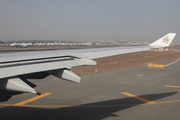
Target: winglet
(165, 41)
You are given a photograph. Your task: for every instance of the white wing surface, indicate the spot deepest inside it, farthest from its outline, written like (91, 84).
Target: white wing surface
(16, 68)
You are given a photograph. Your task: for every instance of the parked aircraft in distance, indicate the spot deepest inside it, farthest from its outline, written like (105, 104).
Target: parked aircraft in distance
(55, 43)
(41, 43)
(16, 68)
(25, 45)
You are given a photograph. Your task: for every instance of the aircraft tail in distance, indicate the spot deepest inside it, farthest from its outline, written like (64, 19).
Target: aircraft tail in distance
(33, 42)
(165, 41)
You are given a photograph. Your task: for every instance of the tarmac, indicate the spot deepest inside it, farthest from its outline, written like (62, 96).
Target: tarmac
(128, 94)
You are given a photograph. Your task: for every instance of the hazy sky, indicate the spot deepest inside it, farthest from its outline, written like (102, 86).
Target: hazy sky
(97, 20)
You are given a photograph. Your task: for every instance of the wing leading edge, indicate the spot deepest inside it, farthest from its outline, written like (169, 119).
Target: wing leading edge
(16, 68)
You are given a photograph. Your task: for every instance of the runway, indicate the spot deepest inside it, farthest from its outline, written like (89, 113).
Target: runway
(133, 93)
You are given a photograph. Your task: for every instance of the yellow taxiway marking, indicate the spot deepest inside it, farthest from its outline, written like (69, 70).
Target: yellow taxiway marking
(172, 86)
(137, 97)
(172, 62)
(118, 105)
(32, 99)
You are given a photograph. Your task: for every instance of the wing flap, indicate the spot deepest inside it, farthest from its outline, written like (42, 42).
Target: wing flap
(33, 68)
(28, 67)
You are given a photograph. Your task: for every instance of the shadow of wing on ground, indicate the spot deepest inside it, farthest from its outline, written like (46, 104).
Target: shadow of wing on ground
(6, 95)
(91, 111)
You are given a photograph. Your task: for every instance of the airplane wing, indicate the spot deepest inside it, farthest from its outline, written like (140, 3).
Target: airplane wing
(16, 68)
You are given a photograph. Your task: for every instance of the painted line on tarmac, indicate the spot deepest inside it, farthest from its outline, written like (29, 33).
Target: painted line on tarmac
(172, 62)
(172, 86)
(79, 106)
(137, 97)
(32, 99)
